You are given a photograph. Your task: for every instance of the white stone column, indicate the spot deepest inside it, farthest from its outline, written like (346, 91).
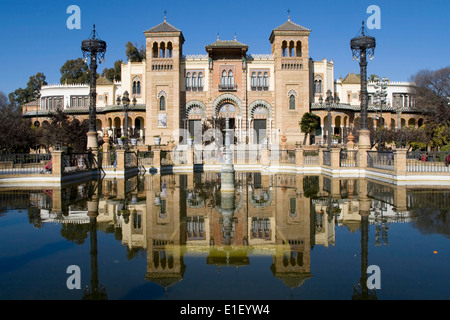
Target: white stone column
(239, 128)
(249, 131)
(322, 132)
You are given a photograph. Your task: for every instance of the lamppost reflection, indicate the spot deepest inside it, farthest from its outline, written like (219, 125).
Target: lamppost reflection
(97, 291)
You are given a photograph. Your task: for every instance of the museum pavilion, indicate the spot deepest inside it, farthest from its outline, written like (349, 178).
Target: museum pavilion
(264, 96)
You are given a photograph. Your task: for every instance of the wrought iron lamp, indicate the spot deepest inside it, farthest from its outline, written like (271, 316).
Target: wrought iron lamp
(363, 46)
(93, 50)
(328, 101)
(380, 98)
(126, 103)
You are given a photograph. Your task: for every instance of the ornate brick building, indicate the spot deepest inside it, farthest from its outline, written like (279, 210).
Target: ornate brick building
(263, 95)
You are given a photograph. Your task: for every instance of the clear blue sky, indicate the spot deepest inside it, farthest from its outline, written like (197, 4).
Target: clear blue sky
(414, 35)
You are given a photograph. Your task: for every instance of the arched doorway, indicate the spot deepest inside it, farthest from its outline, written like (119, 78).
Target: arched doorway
(229, 106)
(139, 128)
(99, 127)
(228, 111)
(117, 132)
(194, 117)
(261, 122)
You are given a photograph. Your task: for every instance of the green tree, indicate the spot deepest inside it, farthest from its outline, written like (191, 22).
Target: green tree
(309, 124)
(62, 130)
(30, 93)
(17, 135)
(75, 72)
(114, 73)
(432, 91)
(133, 53)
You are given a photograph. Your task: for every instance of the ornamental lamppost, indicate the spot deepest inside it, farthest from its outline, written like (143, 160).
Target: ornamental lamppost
(94, 50)
(328, 101)
(363, 46)
(126, 103)
(380, 98)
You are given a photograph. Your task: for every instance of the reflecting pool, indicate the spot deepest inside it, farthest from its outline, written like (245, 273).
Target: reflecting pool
(192, 237)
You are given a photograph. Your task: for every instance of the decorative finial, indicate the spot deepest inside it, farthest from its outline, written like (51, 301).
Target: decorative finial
(289, 14)
(218, 38)
(165, 15)
(362, 28)
(93, 33)
(235, 38)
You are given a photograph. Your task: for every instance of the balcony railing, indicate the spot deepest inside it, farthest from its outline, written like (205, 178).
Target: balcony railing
(25, 163)
(194, 89)
(381, 160)
(310, 157)
(348, 158)
(431, 161)
(260, 88)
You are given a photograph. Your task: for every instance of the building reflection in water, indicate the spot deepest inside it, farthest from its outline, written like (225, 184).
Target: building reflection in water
(282, 216)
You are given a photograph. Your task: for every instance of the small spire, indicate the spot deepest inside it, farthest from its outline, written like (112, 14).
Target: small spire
(235, 38)
(165, 15)
(93, 33)
(289, 14)
(362, 28)
(218, 38)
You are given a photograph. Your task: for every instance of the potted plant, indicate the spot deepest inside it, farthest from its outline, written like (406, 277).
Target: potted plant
(134, 136)
(335, 138)
(121, 140)
(191, 141)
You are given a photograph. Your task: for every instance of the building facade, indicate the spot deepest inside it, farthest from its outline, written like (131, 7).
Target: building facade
(264, 96)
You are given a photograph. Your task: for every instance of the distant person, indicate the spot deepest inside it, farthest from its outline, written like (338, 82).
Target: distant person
(447, 160)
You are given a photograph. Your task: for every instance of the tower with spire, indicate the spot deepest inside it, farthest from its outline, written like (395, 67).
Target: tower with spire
(290, 48)
(164, 49)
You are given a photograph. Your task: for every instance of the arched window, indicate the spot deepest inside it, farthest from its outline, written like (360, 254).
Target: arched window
(253, 80)
(223, 80)
(292, 102)
(194, 80)
(136, 86)
(284, 49)
(259, 83)
(230, 78)
(292, 206)
(169, 50)
(318, 86)
(200, 80)
(162, 103)
(266, 81)
(299, 49)
(291, 49)
(162, 50)
(188, 81)
(155, 50)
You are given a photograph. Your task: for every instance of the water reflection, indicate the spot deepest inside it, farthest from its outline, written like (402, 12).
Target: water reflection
(282, 216)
